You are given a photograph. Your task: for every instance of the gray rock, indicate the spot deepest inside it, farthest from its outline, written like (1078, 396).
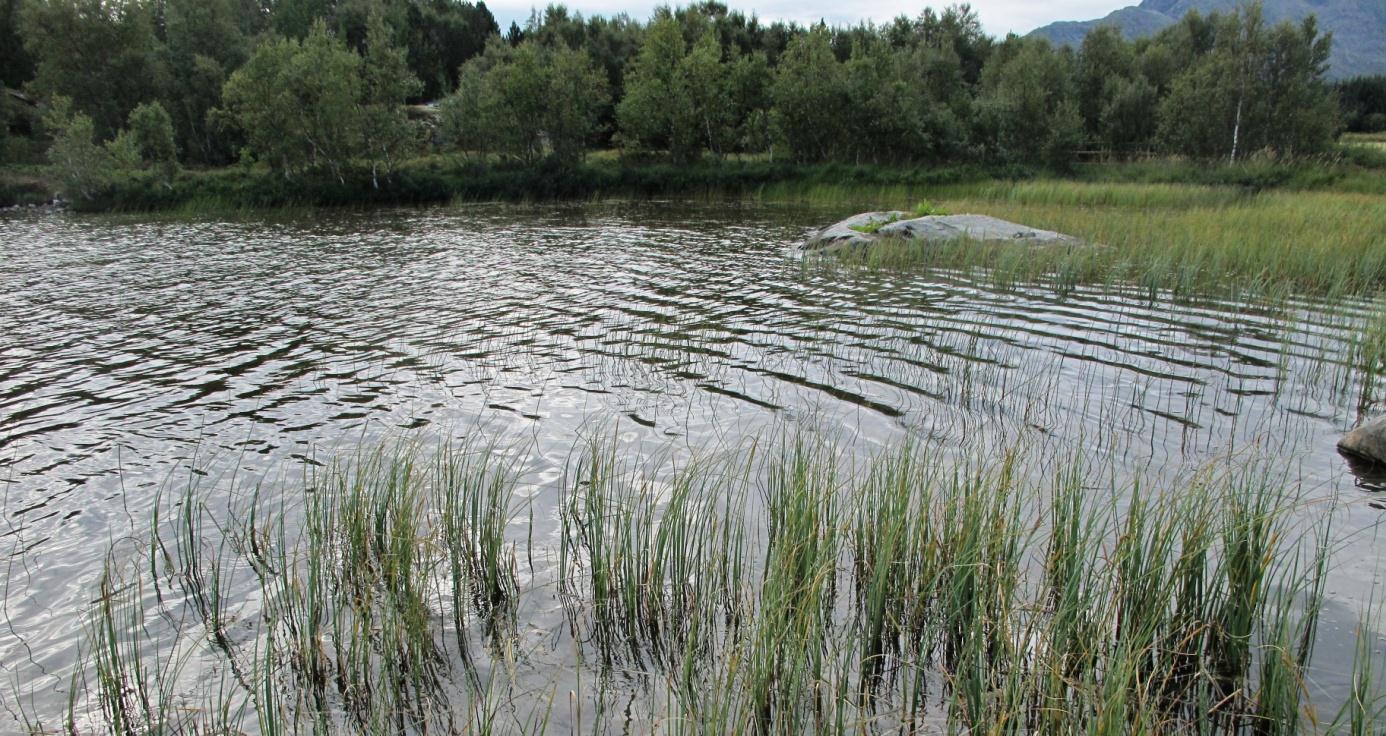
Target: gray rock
(1367, 441)
(844, 233)
(933, 229)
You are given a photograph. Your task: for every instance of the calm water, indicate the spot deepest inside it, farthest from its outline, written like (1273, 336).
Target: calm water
(144, 354)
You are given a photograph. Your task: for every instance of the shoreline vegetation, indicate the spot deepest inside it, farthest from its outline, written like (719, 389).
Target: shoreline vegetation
(780, 589)
(303, 103)
(1359, 169)
(1253, 229)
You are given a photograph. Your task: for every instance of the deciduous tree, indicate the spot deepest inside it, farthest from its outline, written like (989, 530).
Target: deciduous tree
(103, 55)
(151, 132)
(1028, 109)
(809, 97)
(386, 130)
(299, 102)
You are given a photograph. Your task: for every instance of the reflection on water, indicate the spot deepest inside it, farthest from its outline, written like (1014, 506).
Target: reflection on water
(145, 354)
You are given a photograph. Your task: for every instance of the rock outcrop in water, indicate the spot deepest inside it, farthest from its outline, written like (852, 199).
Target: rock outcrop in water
(1367, 442)
(871, 227)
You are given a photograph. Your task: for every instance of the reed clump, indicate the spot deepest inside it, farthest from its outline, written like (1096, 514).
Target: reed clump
(787, 588)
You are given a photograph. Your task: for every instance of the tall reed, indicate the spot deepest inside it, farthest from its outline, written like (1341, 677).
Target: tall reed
(783, 589)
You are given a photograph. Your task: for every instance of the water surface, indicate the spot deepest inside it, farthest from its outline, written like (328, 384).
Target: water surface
(140, 354)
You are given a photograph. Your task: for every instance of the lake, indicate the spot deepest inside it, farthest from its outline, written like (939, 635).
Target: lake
(141, 356)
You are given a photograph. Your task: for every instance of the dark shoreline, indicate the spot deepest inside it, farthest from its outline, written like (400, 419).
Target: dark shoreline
(429, 181)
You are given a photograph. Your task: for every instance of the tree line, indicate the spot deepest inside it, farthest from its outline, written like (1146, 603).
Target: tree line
(707, 82)
(1363, 103)
(322, 85)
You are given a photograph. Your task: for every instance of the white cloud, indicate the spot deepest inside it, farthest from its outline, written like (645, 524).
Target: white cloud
(998, 16)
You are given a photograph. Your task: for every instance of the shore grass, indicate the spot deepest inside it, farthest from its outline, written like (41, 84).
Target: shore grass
(449, 177)
(1181, 239)
(781, 589)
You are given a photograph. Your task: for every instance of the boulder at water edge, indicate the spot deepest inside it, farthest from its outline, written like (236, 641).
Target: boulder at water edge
(871, 227)
(855, 230)
(1367, 441)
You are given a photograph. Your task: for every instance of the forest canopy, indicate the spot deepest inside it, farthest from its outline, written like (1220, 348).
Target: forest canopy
(330, 85)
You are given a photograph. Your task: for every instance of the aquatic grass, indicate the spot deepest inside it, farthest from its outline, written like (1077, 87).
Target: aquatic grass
(650, 569)
(1365, 706)
(135, 676)
(477, 502)
(1367, 361)
(781, 588)
(346, 633)
(896, 565)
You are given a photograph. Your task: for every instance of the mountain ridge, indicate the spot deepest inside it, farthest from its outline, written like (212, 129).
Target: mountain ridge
(1358, 26)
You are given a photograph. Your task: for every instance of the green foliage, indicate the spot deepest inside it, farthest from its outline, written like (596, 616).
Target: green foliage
(258, 100)
(925, 208)
(444, 179)
(16, 64)
(1105, 59)
(658, 111)
(1363, 103)
(295, 19)
(386, 130)
(577, 94)
(84, 166)
(90, 170)
(1028, 108)
(4, 124)
(1257, 89)
(748, 91)
(316, 104)
(104, 55)
(524, 101)
(205, 41)
(325, 93)
(904, 104)
(1116, 98)
(873, 227)
(440, 36)
(151, 131)
(1128, 119)
(124, 152)
(701, 84)
(809, 95)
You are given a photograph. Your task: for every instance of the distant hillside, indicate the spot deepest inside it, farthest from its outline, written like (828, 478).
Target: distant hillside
(1358, 26)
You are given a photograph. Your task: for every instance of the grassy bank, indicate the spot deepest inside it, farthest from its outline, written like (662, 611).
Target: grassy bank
(1182, 239)
(445, 179)
(786, 591)
(442, 178)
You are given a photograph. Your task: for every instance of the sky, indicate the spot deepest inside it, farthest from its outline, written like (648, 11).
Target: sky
(999, 17)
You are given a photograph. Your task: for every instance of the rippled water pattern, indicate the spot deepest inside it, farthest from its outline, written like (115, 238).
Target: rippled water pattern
(134, 349)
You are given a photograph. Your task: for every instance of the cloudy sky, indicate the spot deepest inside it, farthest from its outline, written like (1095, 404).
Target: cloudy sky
(999, 16)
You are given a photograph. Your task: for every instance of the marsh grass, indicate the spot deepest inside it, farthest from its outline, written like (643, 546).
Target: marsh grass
(1367, 362)
(784, 589)
(1177, 239)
